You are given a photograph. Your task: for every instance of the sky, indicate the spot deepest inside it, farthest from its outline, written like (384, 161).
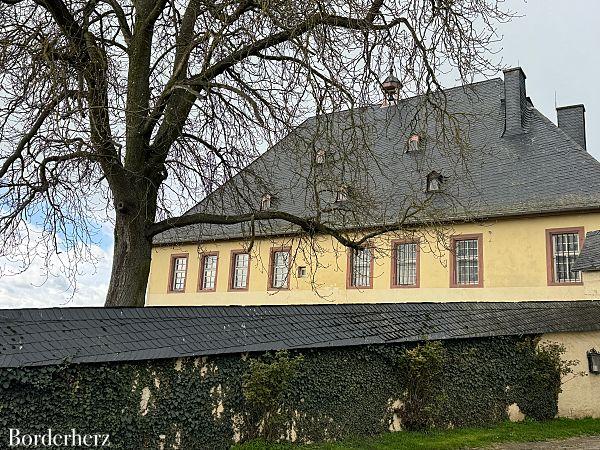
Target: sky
(556, 45)
(554, 42)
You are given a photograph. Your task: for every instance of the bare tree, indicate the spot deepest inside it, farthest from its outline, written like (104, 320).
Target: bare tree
(131, 111)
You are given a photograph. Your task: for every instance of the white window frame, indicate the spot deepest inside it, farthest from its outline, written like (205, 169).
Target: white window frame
(320, 156)
(341, 194)
(280, 268)
(361, 268)
(414, 142)
(406, 260)
(179, 265)
(240, 272)
(265, 202)
(208, 280)
(434, 182)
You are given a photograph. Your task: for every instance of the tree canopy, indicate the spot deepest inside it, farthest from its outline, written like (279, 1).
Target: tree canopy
(132, 111)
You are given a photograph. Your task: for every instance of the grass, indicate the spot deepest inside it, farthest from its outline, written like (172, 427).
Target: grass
(527, 431)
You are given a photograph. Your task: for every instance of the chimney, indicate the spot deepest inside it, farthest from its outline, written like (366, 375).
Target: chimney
(515, 101)
(571, 119)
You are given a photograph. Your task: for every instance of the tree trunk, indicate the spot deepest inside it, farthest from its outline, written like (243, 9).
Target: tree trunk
(131, 262)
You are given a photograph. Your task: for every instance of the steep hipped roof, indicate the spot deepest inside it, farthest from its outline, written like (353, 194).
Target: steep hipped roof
(35, 337)
(589, 257)
(539, 171)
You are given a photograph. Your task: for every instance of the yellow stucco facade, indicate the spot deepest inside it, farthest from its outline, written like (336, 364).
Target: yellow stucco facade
(580, 396)
(514, 257)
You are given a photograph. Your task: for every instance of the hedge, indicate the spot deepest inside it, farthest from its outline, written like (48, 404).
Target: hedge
(308, 395)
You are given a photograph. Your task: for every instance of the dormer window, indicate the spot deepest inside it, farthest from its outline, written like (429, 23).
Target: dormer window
(414, 143)
(320, 156)
(265, 202)
(434, 182)
(342, 194)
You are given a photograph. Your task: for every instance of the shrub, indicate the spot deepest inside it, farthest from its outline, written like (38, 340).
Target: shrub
(422, 371)
(265, 386)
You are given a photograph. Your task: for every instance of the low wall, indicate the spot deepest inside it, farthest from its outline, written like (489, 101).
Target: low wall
(201, 403)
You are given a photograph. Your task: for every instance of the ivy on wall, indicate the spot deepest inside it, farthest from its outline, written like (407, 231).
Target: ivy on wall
(314, 394)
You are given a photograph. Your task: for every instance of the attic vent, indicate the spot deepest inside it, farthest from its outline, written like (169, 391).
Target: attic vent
(342, 194)
(320, 156)
(434, 181)
(414, 143)
(265, 202)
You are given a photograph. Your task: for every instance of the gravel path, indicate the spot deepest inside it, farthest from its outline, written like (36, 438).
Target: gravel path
(578, 443)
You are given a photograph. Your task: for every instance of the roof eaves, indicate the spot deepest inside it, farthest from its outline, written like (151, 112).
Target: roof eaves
(456, 220)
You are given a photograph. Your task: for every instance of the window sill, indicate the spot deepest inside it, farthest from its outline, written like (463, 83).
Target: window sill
(466, 286)
(574, 283)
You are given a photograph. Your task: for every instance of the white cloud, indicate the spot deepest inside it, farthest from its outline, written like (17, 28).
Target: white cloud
(44, 285)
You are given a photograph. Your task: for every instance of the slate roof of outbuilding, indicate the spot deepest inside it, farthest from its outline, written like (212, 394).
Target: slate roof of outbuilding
(36, 337)
(589, 257)
(542, 170)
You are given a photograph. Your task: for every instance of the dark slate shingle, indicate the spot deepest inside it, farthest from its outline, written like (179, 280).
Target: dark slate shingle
(50, 336)
(503, 175)
(589, 257)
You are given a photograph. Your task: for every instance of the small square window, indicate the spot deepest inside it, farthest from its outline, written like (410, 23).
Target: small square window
(320, 156)
(414, 143)
(301, 271)
(265, 202)
(434, 182)
(342, 194)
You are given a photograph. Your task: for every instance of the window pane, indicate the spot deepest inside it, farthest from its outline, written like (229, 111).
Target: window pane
(240, 270)
(280, 269)
(361, 267)
(179, 272)
(565, 250)
(406, 264)
(209, 273)
(467, 261)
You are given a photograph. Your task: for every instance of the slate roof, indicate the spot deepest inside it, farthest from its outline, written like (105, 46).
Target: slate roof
(589, 257)
(35, 337)
(542, 170)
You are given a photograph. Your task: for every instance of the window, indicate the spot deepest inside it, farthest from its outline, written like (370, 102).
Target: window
(265, 202)
(320, 156)
(301, 271)
(467, 261)
(405, 264)
(413, 143)
(434, 181)
(361, 268)
(178, 273)
(563, 245)
(208, 271)
(280, 268)
(342, 194)
(240, 268)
